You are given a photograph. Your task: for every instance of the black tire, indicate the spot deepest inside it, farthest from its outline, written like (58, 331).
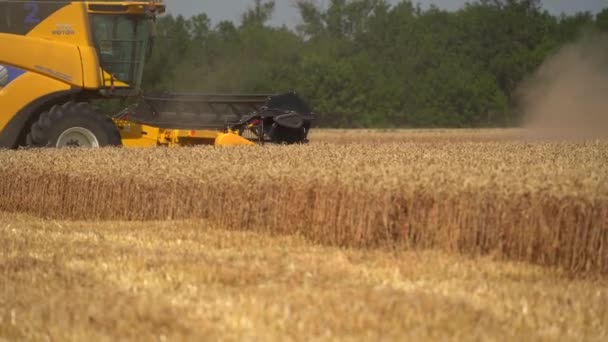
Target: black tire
(69, 116)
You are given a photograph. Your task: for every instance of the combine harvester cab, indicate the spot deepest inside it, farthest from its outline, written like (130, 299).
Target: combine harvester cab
(181, 119)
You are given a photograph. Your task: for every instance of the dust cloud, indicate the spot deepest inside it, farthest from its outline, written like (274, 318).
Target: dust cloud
(567, 98)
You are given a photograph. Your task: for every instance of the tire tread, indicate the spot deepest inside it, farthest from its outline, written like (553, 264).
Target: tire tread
(39, 135)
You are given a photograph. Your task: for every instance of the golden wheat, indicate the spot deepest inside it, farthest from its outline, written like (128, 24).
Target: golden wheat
(348, 136)
(545, 203)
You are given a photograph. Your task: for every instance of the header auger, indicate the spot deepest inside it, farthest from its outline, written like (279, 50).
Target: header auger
(57, 56)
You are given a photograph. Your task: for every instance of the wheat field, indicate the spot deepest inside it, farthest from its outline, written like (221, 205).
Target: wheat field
(544, 203)
(449, 234)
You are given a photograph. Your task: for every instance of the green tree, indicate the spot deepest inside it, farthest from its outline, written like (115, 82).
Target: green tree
(259, 14)
(601, 20)
(367, 63)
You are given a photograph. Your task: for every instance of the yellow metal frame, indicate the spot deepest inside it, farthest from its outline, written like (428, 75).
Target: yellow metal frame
(142, 136)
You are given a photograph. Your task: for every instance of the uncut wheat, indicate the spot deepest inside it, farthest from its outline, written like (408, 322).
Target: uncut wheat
(542, 203)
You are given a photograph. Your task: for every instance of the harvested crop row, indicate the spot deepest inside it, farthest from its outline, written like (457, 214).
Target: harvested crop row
(543, 203)
(189, 280)
(348, 136)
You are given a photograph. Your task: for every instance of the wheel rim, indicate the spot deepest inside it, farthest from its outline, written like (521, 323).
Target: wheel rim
(77, 137)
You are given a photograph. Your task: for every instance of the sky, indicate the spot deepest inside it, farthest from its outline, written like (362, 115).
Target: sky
(286, 13)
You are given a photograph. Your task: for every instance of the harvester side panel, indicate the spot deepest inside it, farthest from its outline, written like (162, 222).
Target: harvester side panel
(41, 64)
(49, 55)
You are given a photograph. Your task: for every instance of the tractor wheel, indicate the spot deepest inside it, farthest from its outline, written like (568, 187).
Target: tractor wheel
(73, 124)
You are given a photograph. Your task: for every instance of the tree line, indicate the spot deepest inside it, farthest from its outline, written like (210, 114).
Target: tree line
(367, 63)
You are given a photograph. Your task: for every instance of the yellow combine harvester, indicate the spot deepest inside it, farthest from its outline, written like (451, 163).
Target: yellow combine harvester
(57, 56)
